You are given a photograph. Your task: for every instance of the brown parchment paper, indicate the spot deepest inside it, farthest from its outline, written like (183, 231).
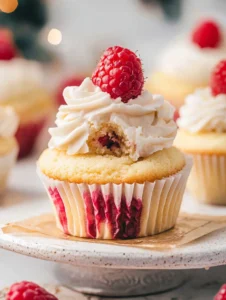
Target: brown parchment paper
(188, 228)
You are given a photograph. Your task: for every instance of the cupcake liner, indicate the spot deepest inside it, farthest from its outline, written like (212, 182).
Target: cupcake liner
(27, 135)
(112, 211)
(207, 181)
(7, 161)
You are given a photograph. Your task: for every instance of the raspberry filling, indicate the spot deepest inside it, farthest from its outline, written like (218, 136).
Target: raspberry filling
(59, 204)
(124, 220)
(110, 140)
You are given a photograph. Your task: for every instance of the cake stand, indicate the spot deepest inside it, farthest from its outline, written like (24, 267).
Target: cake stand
(105, 269)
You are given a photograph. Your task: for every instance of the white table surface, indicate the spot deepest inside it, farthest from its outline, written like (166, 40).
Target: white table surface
(15, 267)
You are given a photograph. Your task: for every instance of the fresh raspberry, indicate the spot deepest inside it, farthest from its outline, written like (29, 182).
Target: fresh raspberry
(207, 34)
(26, 290)
(72, 81)
(7, 48)
(119, 73)
(221, 295)
(218, 79)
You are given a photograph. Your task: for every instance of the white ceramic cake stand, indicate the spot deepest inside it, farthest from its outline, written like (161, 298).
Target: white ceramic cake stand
(105, 269)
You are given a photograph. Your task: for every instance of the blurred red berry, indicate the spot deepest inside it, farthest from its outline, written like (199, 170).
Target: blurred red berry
(176, 115)
(221, 295)
(26, 290)
(119, 73)
(207, 34)
(7, 48)
(218, 79)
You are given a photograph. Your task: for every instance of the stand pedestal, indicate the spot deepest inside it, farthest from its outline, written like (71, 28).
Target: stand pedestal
(119, 282)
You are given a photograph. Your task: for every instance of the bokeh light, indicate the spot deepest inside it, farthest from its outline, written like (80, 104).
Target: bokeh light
(54, 36)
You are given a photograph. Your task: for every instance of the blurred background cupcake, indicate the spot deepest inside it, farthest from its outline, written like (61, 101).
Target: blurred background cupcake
(202, 134)
(22, 58)
(22, 88)
(9, 122)
(186, 63)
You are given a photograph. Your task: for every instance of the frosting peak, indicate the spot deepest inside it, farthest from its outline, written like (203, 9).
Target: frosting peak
(203, 112)
(141, 127)
(9, 122)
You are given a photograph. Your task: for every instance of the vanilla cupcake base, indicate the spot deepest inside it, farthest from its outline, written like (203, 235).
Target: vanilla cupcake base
(111, 211)
(207, 182)
(7, 161)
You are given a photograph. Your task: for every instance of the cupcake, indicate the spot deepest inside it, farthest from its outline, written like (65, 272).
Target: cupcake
(110, 170)
(22, 88)
(202, 134)
(9, 122)
(186, 64)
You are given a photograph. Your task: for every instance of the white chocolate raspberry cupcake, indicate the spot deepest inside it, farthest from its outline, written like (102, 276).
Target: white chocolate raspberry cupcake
(110, 170)
(202, 134)
(9, 122)
(186, 64)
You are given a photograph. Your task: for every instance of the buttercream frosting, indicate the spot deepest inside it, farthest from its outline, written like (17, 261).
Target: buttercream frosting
(147, 121)
(203, 112)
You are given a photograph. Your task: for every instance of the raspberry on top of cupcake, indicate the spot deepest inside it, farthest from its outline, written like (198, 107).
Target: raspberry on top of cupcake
(186, 64)
(110, 113)
(193, 58)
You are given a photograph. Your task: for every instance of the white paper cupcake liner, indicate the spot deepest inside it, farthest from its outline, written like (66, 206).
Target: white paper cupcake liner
(113, 211)
(207, 181)
(7, 161)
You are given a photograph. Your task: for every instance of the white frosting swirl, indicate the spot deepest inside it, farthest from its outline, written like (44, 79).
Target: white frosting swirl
(147, 121)
(9, 121)
(189, 62)
(203, 112)
(18, 76)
